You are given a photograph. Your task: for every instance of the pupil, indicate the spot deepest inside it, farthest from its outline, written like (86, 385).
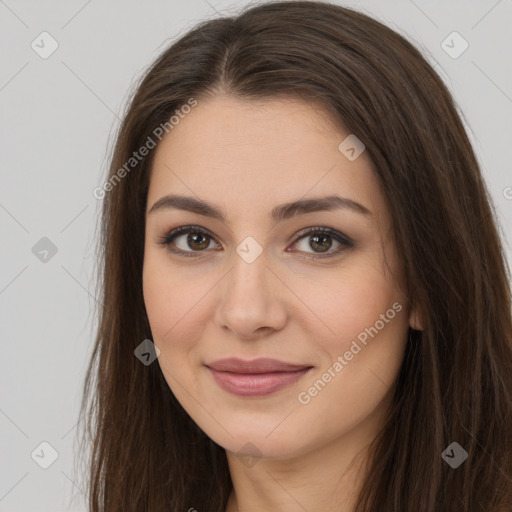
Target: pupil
(323, 238)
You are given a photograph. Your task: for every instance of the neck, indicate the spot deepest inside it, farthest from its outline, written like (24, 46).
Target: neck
(326, 478)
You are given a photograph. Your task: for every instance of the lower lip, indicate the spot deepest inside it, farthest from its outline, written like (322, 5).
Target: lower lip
(256, 384)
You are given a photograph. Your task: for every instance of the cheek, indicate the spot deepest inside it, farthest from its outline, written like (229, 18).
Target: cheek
(174, 302)
(365, 313)
(347, 301)
(176, 316)
(360, 363)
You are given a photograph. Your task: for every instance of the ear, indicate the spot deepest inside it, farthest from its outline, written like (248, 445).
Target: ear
(416, 319)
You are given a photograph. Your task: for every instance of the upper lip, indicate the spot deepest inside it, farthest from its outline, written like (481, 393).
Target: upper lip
(262, 365)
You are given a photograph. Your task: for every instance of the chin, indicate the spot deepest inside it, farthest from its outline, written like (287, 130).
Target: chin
(262, 439)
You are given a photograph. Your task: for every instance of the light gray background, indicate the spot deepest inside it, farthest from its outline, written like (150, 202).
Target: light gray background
(59, 116)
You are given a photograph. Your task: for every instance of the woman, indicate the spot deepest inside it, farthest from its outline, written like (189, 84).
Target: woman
(305, 299)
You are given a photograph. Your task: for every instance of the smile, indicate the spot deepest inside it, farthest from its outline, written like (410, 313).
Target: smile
(255, 378)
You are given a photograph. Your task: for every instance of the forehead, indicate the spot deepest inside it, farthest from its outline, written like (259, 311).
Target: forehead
(256, 154)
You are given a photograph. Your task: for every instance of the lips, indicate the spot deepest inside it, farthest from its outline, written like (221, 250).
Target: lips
(258, 377)
(263, 365)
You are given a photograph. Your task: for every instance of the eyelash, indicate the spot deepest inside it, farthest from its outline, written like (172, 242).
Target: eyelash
(345, 241)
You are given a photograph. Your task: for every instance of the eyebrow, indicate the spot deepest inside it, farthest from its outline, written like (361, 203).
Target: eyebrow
(278, 214)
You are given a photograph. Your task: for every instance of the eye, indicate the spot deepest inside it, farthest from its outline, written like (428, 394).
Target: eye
(195, 239)
(321, 241)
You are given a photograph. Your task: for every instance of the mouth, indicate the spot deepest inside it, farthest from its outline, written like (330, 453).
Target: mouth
(258, 377)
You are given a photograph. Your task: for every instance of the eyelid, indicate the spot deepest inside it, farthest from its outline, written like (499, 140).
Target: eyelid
(344, 240)
(172, 234)
(323, 229)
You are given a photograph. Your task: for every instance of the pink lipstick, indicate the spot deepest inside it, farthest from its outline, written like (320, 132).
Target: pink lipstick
(258, 377)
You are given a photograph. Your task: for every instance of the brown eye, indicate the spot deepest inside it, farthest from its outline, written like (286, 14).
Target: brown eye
(320, 243)
(191, 241)
(198, 241)
(320, 240)
(187, 240)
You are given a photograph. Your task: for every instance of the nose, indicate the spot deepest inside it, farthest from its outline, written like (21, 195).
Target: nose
(251, 300)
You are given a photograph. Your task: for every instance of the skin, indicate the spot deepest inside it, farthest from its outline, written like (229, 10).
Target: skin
(246, 157)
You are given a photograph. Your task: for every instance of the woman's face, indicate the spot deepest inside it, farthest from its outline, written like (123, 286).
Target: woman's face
(259, 279)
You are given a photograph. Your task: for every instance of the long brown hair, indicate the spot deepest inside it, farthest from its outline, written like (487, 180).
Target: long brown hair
(455, 383)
